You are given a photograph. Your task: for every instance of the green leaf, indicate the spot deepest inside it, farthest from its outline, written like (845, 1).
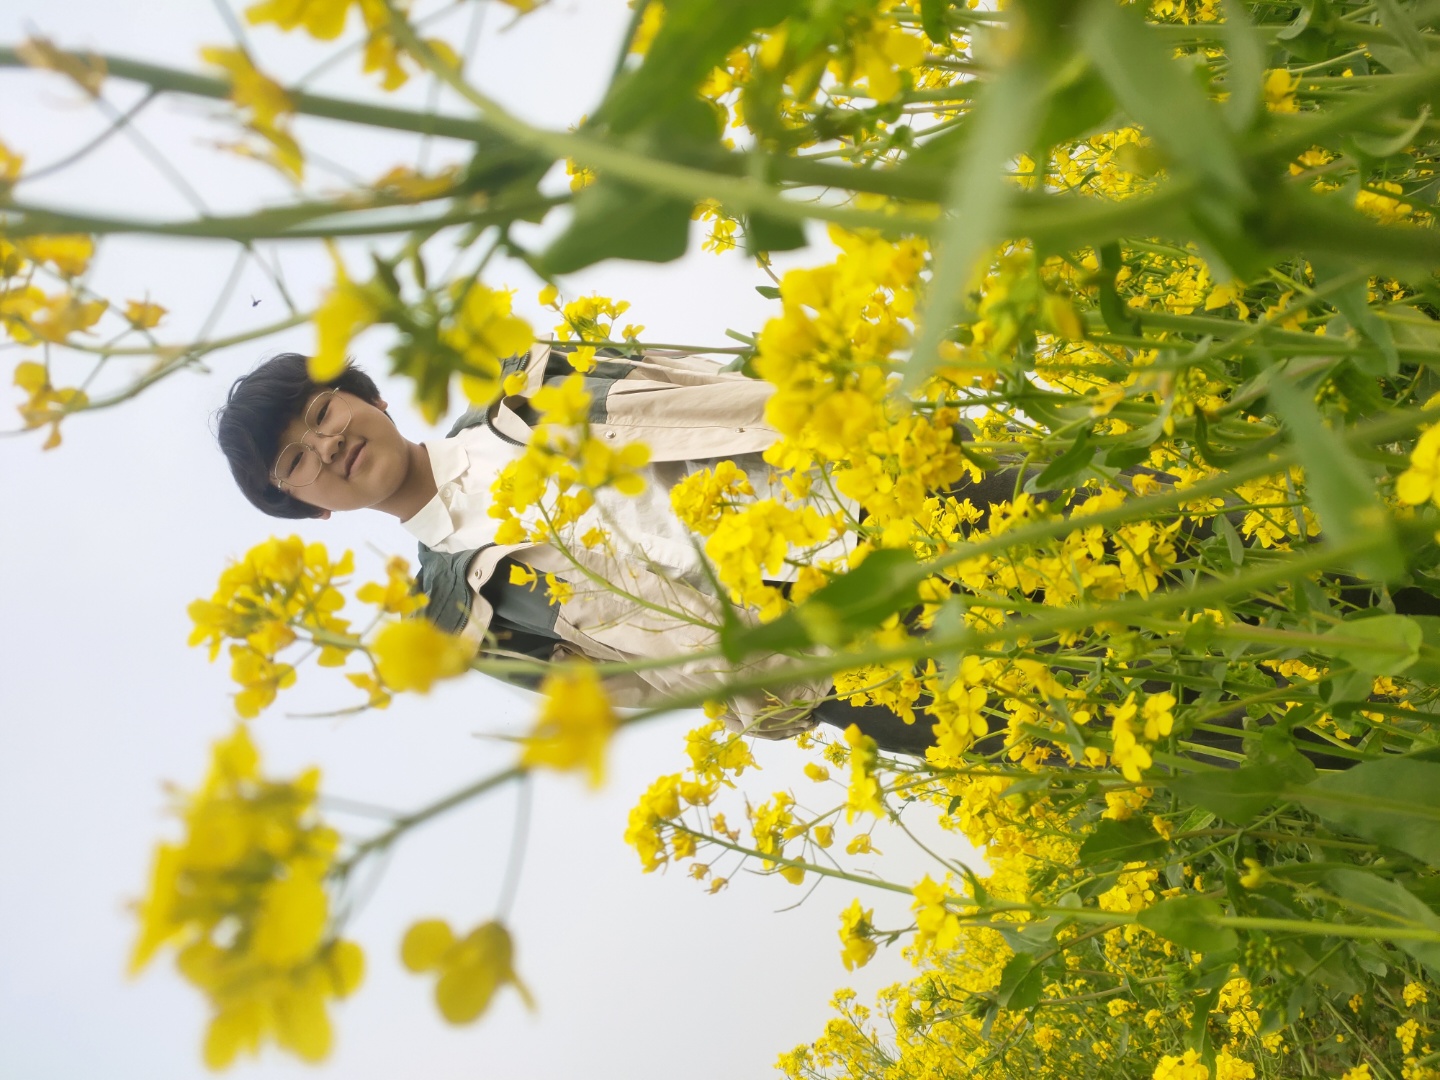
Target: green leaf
(1021, 982)
(933, 22)
(615, 220)
(499, 163)
(1002, 121)
(1275, 750)
(765, 233)
(1236, 795)
(1132, 840)
(1394, 801)
(1077, 106)
(1379, 645)
(1224, 459)
(695, 37)
(1353, 302)
(1067, 464)
(1246, 70)
(1388, 903)
(1233, 544)
(1394, 19)
(1161, 95)
(770, 292)
(1297, 26)
(1197, 1035)
(1426, 669)
(1122, 457)
(1384, 146)
(884, 584)
(1189, 921)
(1119, 317)
(1342, 494)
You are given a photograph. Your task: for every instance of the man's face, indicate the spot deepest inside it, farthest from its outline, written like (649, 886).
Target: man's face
(363, 466)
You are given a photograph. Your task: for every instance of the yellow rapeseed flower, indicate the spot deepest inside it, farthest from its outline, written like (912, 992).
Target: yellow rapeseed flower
(483, 331)
(242, 902)
(855, 936)
(471, 969)
(343, 313)
(1420, 483)
(69, 254)
(1186, 1067)
(397, 596)
(575, 725)
(144, 315)
(657, 806)
(413, 654)
(863, 794)
(322, 19)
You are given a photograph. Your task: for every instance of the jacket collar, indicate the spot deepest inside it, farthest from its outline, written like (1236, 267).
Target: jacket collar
(433, 523)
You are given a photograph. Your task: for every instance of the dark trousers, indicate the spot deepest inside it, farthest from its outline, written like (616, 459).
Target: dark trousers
(893, 735)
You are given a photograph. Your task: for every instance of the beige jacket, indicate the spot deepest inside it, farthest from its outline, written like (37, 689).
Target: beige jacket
(682, 407)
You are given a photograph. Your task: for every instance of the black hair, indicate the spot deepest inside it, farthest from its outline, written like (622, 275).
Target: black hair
(256, 411)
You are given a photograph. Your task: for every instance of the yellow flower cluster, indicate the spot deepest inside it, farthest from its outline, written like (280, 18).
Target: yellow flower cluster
(283, 589)
(277, 586)
(1131, 751)
(773, 825)
(266, 108)
(655, 828)
(591, 319)
(563, 453)
(749, 545)
(1274, 501)
(1420, 483)
(575, 725)
(46, 404)
(480, 333)
(831, 358)
(242, 901)
(856, 936)
(1187, 1066)
(466, 329)
(703, 498)
(384, 53)
(659, 805)
(413, 655)
(863, 794)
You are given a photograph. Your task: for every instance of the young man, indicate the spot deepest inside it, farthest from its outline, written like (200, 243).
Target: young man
(299, 450)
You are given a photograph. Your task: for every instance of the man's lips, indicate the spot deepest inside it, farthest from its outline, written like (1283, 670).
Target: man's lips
(351, 457)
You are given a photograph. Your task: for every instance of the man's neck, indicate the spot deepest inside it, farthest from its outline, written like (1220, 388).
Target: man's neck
(417, 489)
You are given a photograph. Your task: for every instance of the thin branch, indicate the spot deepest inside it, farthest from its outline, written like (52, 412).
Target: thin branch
(94, 144)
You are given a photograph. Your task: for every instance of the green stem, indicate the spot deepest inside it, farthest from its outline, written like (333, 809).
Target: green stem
(785, 860)
(404, 824)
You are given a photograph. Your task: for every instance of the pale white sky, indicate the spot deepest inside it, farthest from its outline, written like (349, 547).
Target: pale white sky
(105, 541)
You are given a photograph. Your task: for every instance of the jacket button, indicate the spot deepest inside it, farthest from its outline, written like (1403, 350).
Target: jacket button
(740, 430)
(610, 434)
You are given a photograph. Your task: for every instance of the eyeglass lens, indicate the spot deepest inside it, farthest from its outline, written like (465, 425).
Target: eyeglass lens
(298, 463)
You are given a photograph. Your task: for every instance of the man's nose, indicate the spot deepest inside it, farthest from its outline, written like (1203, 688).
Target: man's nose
(328, 447)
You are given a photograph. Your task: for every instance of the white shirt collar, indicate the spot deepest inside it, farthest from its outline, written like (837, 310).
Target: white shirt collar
(433, 523)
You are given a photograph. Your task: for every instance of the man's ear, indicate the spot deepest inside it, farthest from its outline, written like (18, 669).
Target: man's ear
(381, 404)
(324, 515)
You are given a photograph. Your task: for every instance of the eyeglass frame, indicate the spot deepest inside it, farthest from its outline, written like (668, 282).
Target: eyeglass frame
(286, 485)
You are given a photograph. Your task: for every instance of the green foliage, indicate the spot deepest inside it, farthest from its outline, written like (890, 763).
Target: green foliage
(1175, 283)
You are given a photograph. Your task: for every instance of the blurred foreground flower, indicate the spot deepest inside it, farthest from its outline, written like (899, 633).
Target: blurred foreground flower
(242, 901)
(574, 727)
(471, 968)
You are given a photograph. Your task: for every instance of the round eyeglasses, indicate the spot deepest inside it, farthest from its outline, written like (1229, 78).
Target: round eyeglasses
(299, 463)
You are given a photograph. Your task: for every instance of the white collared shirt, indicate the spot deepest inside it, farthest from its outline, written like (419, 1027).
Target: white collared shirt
(642, 526)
